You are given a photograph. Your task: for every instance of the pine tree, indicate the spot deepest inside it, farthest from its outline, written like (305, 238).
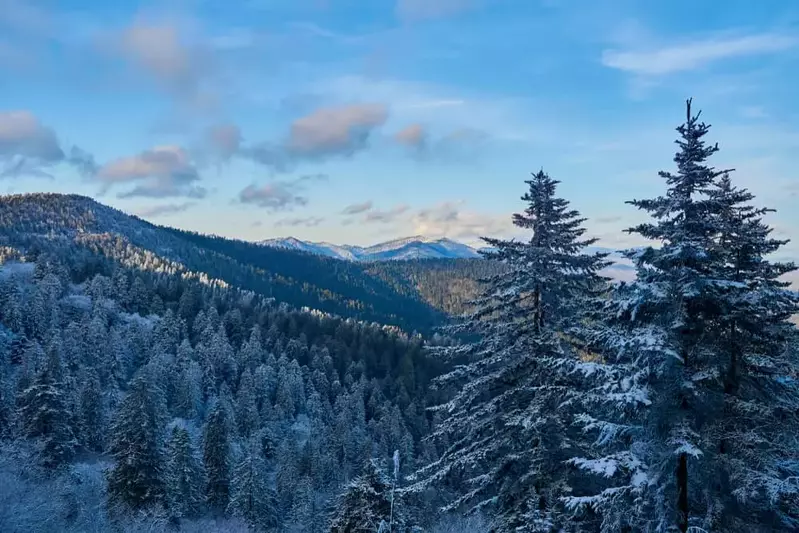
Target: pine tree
(216, 457)
(136, 479)
(45, 417)
(252, 498)
(91, 416)
(184, 476)
(692, 356)
(246, 410)
(365, 503)
(508, 431)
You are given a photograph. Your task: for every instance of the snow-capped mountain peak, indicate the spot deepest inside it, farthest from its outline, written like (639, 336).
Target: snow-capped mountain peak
(416, 247)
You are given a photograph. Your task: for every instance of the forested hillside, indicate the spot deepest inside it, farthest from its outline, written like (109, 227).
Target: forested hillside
(298, 279)
(201, 401)
(446, 284)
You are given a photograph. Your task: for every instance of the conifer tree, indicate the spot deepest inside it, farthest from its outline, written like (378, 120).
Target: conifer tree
(507, 429)
(251, 496)
(184, 476)
(758, 444)
(692, 393)
(136, 479)
(246, 409)
(365, 503)
(45, 416)
(91, 416)
(216, 458)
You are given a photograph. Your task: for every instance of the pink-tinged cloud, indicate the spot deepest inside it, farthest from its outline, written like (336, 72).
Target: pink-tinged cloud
(335, 130)
(160, 172)
(413, 136)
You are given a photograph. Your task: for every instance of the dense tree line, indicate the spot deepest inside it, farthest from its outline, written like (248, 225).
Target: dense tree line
(446, 284)
(198, 401)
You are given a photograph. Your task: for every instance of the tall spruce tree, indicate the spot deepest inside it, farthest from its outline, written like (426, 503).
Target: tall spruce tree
(136, 479)
(91, 416)
(694, 380)
(184, 476)
(216, 457)
(508, 431)
(252, 498)
(45, 416)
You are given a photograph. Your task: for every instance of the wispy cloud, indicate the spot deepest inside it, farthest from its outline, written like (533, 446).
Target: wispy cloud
(163, 210)
(282, 195)
(306, 222)
(223, 141)
(696, 54)
(413, 136)
(165, 51)
(380, 216)
(356, 209)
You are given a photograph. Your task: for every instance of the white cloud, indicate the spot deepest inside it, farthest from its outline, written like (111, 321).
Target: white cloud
(29, 147)
(696, 54)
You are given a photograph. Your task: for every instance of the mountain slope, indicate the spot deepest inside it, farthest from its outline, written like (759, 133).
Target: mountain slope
(299, 279)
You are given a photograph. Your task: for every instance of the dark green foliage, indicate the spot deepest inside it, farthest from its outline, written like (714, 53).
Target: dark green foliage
(365, 503)
(446, 284)
(44, 416)
(299, 279)
(137, 478)
(506, 432)
(252, 498)
(91, 416)
(216, 457)
(184, 477)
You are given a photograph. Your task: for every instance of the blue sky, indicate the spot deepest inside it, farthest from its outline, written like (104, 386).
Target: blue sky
(356, 121)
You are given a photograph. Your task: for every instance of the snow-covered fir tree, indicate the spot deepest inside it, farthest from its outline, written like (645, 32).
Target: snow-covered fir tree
(252, 498)
(92, 416)
(365, 503)
(695, 391)
(757, 461)
(184, 478)
(137, 477)
(216, 457)
(45, 416)
(508, 431)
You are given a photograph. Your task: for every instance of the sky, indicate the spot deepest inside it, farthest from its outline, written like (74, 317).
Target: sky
(358, 121)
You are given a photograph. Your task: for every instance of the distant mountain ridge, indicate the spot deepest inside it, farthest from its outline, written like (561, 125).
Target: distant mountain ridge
(416, 247)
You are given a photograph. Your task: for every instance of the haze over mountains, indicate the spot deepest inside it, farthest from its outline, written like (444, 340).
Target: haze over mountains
(421, 248)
